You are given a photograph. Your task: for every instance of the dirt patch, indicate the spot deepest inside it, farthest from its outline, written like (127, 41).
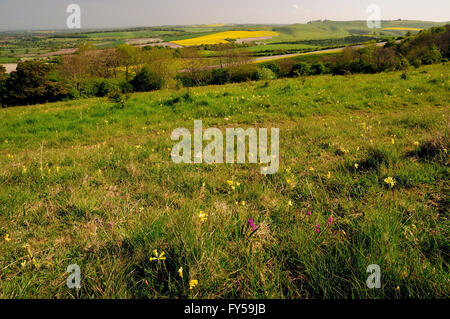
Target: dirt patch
(142, 41)
(60, 52)
(244, 40)
(166, 44)
(10, 67)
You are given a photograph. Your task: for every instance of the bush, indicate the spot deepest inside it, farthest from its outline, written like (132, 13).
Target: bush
(318, 68)
(220, 76)
(266, 74)
(145, 80)
(99, 87)
(116, 96)
(275, 68)
(300, 69)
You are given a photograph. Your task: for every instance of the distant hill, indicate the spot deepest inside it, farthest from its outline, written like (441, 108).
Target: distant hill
(337, 29)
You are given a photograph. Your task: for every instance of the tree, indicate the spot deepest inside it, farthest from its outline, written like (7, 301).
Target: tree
(31, 84)
(3, 77)
(128, 56)
(299, 69)
(146, 80)
(194, 66)
(162, 63)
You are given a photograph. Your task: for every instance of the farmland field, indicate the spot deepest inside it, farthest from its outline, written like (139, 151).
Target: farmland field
(363, 180)
(221, 37)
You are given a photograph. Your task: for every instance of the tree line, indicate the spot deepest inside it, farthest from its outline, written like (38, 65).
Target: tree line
(126, 69)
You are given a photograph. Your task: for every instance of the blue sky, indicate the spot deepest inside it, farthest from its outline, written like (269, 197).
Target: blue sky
(51, 14)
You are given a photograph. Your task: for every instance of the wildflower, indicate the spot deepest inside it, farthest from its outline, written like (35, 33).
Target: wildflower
(111, 224)
(317, 228)
(416, 143)
(158, 257)
(288, 181)
(24, 170)
(7, 237)
(328, 175)
(203, 216)
(390, 181)
(356, 165)
(10, 156)
(192, 284)
(290, 203)
(180, 272)
(308, 213)
(252, 224)
(330, 220)
(311, 169)
(392, 141)
(243, 203)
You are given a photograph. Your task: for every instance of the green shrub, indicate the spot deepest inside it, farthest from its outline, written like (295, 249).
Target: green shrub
(266, 74)
(146, 80)
(300, 69)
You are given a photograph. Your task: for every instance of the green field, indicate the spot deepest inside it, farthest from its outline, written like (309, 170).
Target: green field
(87, 182)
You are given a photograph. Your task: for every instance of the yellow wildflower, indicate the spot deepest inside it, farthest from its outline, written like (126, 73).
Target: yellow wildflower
(416, 143)
(203, 216)
(7, 237)
(356, 165)
(180, 272)
(158, 257)
(390, 181)
(192, 284)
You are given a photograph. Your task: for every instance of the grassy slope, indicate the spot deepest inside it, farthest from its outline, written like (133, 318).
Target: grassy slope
(89, 164)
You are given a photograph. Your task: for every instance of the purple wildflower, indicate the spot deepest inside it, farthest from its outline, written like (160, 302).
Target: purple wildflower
(330, 220)
(252, 224)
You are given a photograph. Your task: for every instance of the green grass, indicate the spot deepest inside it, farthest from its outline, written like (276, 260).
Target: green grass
(69, 169)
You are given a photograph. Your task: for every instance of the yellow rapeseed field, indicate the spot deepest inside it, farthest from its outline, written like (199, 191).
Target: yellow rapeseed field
(220, 37)
(403, 29)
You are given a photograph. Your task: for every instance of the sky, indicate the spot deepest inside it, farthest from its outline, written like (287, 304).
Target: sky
(51, 14)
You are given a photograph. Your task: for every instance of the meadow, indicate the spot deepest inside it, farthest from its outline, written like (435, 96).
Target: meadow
(363, 180)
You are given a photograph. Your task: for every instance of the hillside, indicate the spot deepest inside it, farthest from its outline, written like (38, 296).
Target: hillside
(87, 182)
